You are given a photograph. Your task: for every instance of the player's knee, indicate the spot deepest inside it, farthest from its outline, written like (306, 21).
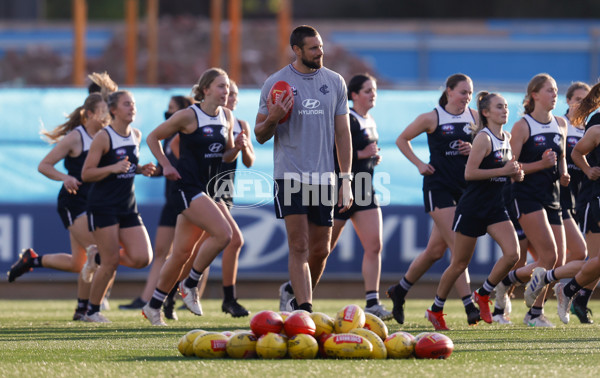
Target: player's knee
(237, 241)
(223, 237)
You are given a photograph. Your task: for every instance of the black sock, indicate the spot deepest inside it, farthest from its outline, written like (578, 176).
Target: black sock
(438, 304)
(97, 258)
(372, 298)
(468, 303)
(82, 305)
(92, 309)
(306, 307)
(36, 262)
(228, 293)
(403, 287)
(158, 298)
(193, 278)
(172, 293)
(571, 288)
(535, 312)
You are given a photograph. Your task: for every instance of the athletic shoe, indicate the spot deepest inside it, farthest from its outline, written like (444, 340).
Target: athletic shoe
(234, 309)
(105, 305)
(483, 301)
(535, 286)
(96, 317)
(90, 266)
(437, 319)
(564, 302)
(583, 313)
(379, 311)
(473, 316)
(291, 305)
(284, 296)
(190, 298)
(502, 298)
(507, 306)
(136, 304)
(154, 315)
(540, 321)
(501, 319)
(78, 315)
(169, 309)
(398, 301)
(23, 265)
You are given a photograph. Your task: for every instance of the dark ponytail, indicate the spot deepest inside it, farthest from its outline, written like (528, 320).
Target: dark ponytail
(451, 82)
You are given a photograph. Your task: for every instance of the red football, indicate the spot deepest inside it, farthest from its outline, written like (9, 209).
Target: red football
(434, 345)
(300, 322)
(266, 321)
(276, 92)
(321, 340)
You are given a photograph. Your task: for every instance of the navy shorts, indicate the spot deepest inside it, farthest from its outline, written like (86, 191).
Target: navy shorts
(364, 200)
(592, 217)
(316, 201)
(440, 199)
(68, 214)
(472, 226)
(168, 215)
(523, 206)
(512, 213)
(98, 220)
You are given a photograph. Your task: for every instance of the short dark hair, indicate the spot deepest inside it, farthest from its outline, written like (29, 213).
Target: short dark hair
(301, 32)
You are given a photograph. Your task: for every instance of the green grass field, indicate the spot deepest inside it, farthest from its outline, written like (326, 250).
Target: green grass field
(37, 338)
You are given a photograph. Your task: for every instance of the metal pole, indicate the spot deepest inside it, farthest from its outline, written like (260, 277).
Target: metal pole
(216, 16)
(152, 73)
(79, 26)
(131, 17)
(284, 22)
(235, 19)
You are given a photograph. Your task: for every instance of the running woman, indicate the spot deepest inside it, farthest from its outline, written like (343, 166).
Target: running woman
(480, 209)
(538, 143)
(206, 138)
(73, 139)
(449, 137)
(111, 164)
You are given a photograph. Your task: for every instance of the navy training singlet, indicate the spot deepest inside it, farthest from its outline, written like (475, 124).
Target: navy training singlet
(114, 194)
(541, 186)
(482, 197)
(449, 164)
(201, 152)
(569, 194)
(73, 165)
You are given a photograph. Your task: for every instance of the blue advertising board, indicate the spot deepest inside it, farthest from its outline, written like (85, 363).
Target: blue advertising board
(264, 254)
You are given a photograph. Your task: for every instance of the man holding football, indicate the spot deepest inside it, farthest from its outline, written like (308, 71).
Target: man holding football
(303, 159)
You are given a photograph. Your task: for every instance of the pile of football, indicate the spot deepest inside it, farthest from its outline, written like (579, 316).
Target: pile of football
(301, 335)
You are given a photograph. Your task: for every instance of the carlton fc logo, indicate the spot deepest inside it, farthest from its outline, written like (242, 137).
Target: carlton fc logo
(324, 89)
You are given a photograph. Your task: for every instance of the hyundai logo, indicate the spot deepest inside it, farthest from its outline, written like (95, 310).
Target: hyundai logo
(455, 144)
(215, 147)
(311, 103)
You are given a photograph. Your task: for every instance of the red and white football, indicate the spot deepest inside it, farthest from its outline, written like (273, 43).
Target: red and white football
(299, 322)
(435, 345)
(277, 91)
(266, 321)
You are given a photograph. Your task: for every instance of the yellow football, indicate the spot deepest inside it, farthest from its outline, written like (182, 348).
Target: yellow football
(302, 346)
(348, 318)
(323, 323)
(271, 345)
(347, 345)
(210, 345)
(242, 345)
(379, 349)
(375, 324)
(400, 345)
